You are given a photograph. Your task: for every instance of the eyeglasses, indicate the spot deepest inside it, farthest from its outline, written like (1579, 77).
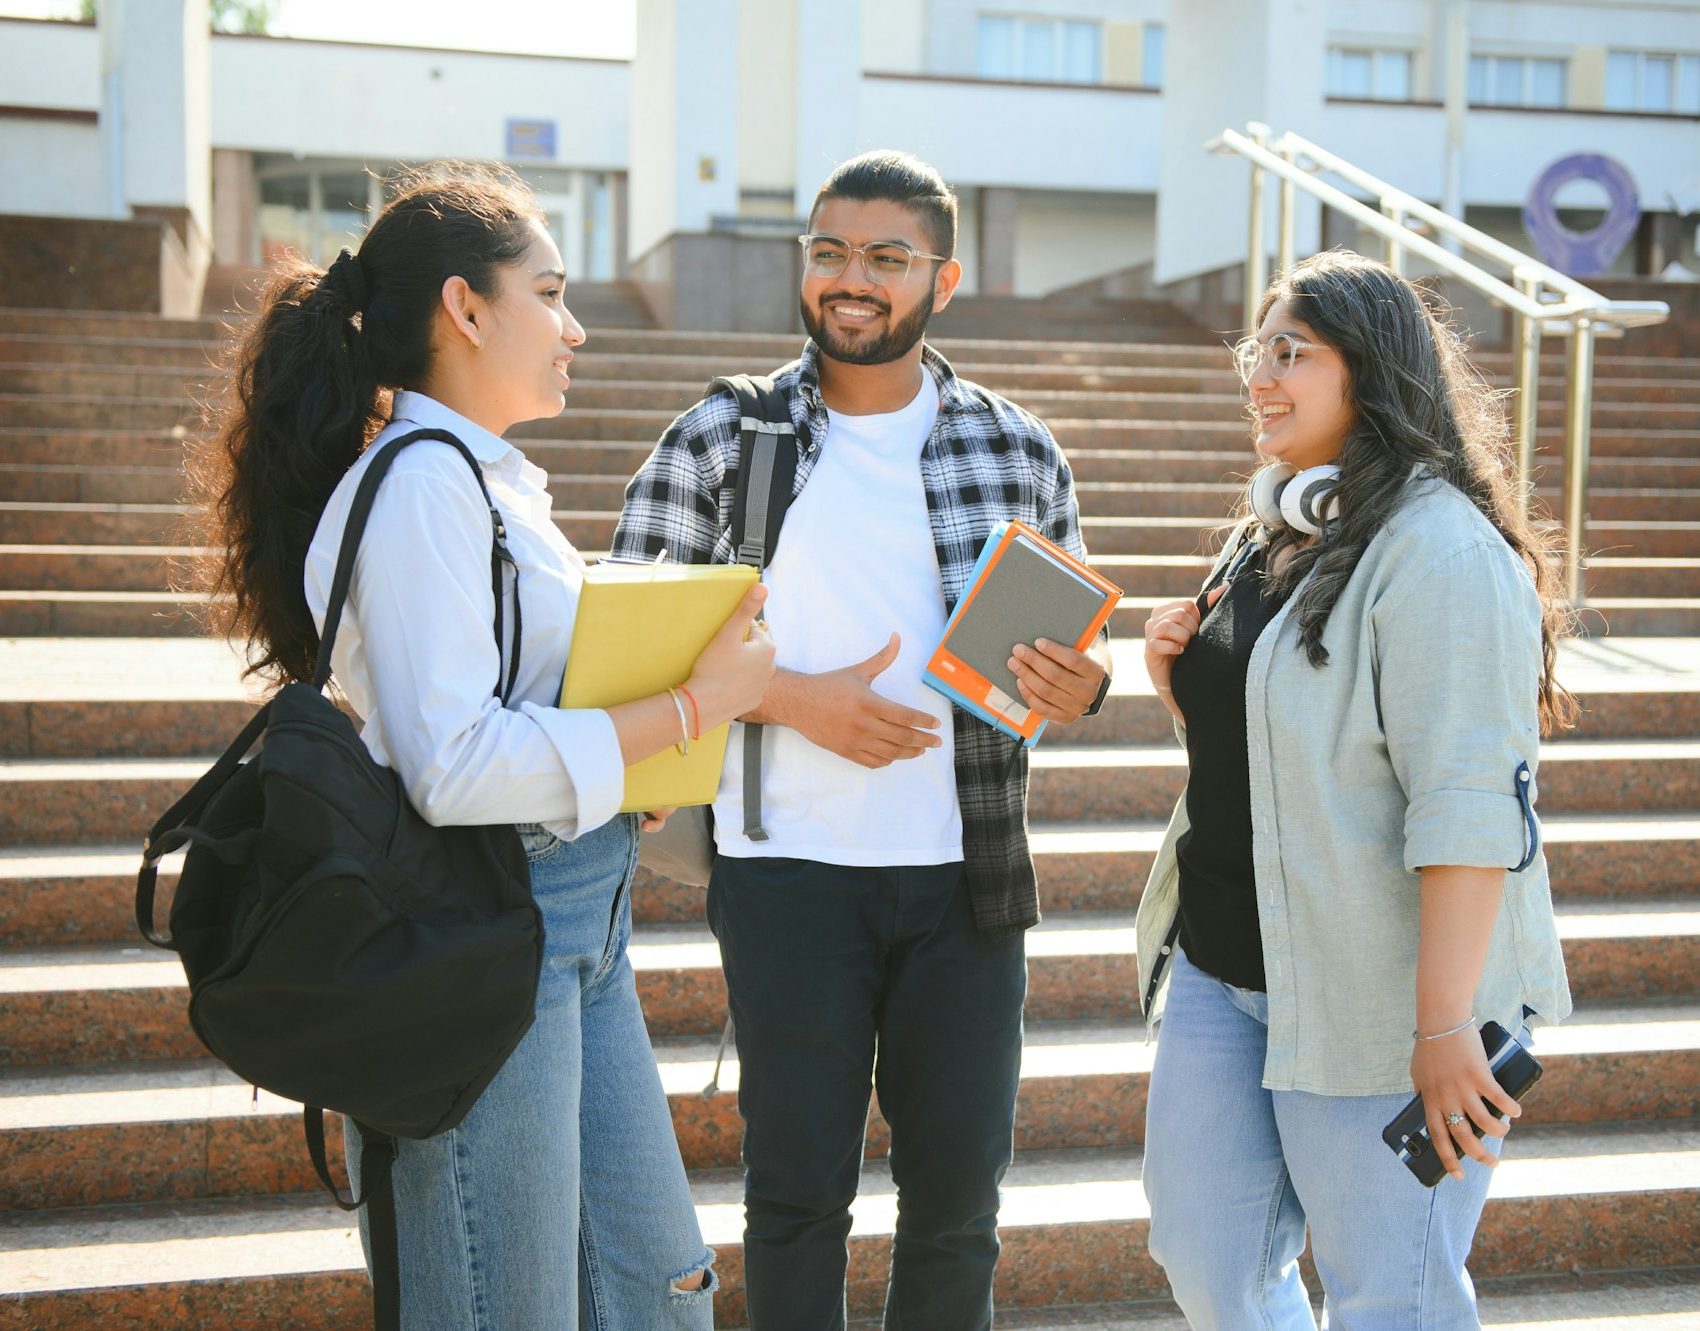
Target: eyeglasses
(1281, 352)
(886, 262)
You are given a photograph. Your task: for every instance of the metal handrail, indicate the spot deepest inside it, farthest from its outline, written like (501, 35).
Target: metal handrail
(1540, 298)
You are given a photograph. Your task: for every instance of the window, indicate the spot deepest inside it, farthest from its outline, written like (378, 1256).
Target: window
(1357, 72)
(1512, 80)
(1653, 81)
(1151, 56)
(1044, 50)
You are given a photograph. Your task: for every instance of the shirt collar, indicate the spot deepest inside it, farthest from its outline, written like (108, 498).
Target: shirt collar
(952, 396)
(419, 410)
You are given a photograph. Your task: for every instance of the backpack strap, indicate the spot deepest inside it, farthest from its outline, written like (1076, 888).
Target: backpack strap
(377, 1195)
(361, 509)
(767, 474)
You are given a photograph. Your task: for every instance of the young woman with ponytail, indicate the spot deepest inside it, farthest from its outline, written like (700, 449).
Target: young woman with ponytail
(560, 1200)
(1352, 880)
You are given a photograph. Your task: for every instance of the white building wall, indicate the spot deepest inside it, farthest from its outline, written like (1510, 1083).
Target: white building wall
(767, 94)
(894, 36)
(1082, 138)
(52, 169)
(332, 99)
(1064, 239)
(1516, 25)
(49, 64)
(952, 25)
(1506, 150)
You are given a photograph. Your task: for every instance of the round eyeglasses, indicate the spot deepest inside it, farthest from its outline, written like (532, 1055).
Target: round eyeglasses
(1281, 353)
(886, 262)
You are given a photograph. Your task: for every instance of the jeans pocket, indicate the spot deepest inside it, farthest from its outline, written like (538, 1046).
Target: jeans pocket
(539, 842)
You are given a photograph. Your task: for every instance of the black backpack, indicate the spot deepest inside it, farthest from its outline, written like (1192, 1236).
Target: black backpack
(340, 950)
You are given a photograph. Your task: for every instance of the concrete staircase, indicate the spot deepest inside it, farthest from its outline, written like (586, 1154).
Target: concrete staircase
(143, 1187)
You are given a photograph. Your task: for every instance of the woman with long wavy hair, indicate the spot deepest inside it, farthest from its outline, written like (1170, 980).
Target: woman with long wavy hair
(1352, 880)
(560, 1200)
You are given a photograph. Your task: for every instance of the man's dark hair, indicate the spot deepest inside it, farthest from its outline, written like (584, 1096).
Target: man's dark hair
(894, 177)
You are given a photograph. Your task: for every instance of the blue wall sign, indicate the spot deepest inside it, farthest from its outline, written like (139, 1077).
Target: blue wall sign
(1582, 253)
(533, 140)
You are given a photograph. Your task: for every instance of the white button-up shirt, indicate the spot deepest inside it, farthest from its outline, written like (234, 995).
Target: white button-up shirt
(416, 652)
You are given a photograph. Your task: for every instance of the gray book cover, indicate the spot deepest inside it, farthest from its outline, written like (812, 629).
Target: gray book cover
(1026, 596)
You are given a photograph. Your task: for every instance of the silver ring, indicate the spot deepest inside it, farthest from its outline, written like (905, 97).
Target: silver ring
(1455, 1120)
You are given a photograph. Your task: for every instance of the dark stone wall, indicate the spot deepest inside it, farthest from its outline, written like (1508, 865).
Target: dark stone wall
(73, 263)
(722, 282)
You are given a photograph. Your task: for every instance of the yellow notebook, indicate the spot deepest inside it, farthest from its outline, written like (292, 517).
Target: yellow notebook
(640, 629)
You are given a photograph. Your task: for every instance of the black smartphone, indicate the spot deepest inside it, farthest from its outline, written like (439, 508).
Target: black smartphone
(1514, 1068)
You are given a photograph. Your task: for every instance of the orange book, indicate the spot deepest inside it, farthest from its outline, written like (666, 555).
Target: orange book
(1024, 587)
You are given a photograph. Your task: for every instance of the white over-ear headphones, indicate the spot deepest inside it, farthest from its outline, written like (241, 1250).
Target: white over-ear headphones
(1284, 496)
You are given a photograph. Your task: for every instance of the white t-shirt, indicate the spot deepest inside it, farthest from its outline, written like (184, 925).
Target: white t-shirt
(855, 563)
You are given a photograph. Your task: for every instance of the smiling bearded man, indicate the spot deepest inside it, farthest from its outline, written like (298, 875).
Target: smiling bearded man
(872, 930)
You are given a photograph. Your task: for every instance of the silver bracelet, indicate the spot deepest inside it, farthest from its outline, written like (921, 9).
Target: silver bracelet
(684, 744)
(1441, 1035)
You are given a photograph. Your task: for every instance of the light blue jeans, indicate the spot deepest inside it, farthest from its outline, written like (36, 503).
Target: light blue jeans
(1235, 1172)
(559, 1203)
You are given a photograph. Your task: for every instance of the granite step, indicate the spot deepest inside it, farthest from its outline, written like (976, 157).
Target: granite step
(118, 1003)
(60, 800)
(1073, 1225)
(1205, 505)
(1576, 776)
(94, 1135)
(90, 449)
(1648, 1299)
(100, 615)
(106, 714)
(665, 377)
(84, 893)
(112, 1003)
(591, 529)
(164, 614)
(33, 327)
(1083, 440)
(629, 411)
(63, 482)
(91, 1135)
(1144, 556)
(45, 332)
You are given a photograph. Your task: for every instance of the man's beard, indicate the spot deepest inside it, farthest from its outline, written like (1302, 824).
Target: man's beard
(894, 344)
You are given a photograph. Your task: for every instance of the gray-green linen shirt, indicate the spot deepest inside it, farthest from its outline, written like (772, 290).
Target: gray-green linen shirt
(1401, 752)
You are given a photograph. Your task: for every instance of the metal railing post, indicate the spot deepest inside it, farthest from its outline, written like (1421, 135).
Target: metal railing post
(1256, 259)
(1579, 403)
(1395, 251)
(1527, 363)
(1285, 221)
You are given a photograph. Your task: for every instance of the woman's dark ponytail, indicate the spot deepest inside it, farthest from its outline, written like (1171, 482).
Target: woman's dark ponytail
(308, 386)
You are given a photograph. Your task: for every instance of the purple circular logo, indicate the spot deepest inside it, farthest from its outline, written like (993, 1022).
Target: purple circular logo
(1582, 253)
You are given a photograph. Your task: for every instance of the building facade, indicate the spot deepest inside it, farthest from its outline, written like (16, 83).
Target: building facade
(1062, 123)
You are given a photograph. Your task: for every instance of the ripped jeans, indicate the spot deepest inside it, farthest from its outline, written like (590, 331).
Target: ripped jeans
(560, 1203)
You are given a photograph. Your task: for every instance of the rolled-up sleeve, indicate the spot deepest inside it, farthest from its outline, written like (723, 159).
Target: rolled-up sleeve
(422, 593)
(1458, 656)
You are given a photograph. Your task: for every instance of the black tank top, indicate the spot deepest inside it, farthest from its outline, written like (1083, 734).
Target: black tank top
(1218, 891)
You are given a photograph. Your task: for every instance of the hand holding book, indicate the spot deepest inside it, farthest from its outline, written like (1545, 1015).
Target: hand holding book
(1025, 590)
(1058, 682)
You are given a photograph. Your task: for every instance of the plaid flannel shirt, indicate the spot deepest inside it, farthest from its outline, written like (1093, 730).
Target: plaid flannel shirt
(986, 461)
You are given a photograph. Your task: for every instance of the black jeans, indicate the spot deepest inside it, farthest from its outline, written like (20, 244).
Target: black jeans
(841, 978)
